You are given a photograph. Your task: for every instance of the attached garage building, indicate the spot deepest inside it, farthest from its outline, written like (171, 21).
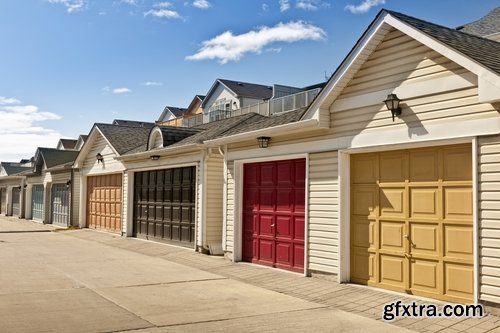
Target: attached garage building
(408, 204)
(103, 183)
(52, 193)
(12, 189)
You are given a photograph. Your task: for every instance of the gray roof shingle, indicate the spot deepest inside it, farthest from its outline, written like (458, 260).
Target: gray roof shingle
(54, 157)
(484, 51)
(12, 168)
(134, 123)
(68, 143)
(126, 138)
(250, 90)
(486, 25)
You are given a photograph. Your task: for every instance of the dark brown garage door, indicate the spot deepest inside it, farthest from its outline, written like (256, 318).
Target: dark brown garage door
(164, 205)
(104, 202)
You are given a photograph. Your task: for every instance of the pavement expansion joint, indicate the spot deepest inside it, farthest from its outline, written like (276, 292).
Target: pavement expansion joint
(167, 283)
(22, 231)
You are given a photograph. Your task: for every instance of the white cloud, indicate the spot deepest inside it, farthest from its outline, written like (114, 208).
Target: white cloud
(228, 47)
(20, 134)
(164, 4)
(152, 83)
(284, 5)
(130, 2)
(364, 7)
(8, 101)
(163, 13)
(72, 6)
(311, 4)
(202, 4)
(265, 7)
(123, 90)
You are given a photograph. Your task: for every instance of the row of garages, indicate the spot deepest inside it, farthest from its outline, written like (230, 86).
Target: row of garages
(408, 204)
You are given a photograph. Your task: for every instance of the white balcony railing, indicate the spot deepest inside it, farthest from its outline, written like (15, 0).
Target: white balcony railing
(274, 106)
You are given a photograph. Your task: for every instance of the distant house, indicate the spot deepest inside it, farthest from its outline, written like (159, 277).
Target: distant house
(51, 195)
(171, 113)
(81, 140)
(12, 187)
(228, 98)
(189, 117)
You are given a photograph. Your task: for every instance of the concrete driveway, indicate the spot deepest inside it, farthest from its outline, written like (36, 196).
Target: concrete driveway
(70, 281)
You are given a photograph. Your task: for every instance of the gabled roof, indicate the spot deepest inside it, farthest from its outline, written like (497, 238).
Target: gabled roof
(134, 123)
(242, 89)
(67, 143)
(12, 168)
(198, 99)
(251, 90)
(125, 138)
(175, 111)
(485, 26)
(52, 157)
(482, 50)
(478, 55)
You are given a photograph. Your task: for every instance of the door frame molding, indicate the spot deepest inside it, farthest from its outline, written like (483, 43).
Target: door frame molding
(344, 158)
(238, 203)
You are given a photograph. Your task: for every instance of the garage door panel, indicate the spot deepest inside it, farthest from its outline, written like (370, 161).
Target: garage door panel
(457, 164)
(424, 166)
(459, 241)
(392, 271)
(392, 236)
(284, 200)
(458, 203)
(458, 280)
(60, 205)
(15, 201)
(393, 167)
(364, 200)
(425, 276)
(363, 232)
(392, 202)
(273, 223)
(420, 240)
(267, 199)
(424, 238)
(365, 169)
(170, 203)
(298, 227)
(37, 210)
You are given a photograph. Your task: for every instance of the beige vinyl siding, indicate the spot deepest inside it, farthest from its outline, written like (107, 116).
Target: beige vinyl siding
(60, 178)
(399, 62)
(489, 217)
(213, 205)
(75, 199)
(230, 208)
(323, 223)
(109, 165)
(198, 205)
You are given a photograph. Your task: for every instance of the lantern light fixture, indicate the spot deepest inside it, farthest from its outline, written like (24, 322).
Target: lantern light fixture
(263, 141)
(99, 158)
(392, 104)
(68, 183)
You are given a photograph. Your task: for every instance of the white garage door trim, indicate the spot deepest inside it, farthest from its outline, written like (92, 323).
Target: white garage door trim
(345, 176)
(238, 203)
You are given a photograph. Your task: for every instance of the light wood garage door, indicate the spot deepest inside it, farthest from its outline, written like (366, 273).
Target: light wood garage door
(104, 202)
(411, 221)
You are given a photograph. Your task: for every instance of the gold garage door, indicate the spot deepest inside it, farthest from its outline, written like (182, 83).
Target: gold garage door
(411, 221)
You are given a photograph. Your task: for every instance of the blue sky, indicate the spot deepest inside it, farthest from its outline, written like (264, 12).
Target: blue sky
(65, 64)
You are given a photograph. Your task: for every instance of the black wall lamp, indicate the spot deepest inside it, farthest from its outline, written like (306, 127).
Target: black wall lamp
(25, 185)
(154, 157)
(99, 158)
(263, 141)
(392, 103)
(68, 183)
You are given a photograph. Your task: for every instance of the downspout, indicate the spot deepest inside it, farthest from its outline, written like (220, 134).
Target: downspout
(206, 157)
(223, 152)
(72, 179)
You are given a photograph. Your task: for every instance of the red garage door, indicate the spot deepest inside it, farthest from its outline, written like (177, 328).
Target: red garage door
(273, 213)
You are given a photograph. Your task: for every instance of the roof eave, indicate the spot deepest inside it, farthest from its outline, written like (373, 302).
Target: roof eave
(161, 152)
(295, 127)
